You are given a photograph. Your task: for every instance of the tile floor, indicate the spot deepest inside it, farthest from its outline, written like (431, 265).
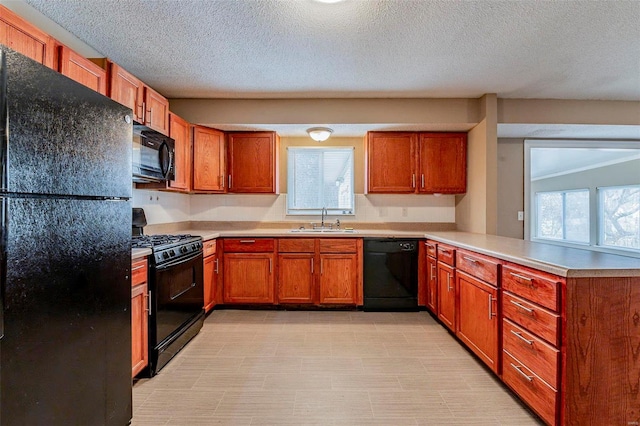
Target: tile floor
(324, 368)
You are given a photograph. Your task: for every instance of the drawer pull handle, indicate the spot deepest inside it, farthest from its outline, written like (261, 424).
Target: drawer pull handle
(468, 259)
(413, 180)
(524, 308)
(443, 251)
(138, 267)
(522, 277)
(522, 373)
(521, 337)
(247, 241)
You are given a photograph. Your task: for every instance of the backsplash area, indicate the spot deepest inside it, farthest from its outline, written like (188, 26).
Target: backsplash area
(167, 207)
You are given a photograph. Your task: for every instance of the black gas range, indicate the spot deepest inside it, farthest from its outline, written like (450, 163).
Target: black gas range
(176, 292)
(168, 248)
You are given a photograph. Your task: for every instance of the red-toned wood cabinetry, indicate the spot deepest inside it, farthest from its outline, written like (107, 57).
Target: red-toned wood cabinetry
(252, 162)
(208, 160)
(180, 132)
(139, 316)
(210, 274)
(82, 70)
(23, 37)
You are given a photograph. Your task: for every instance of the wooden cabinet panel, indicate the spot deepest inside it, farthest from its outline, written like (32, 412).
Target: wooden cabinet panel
(180, 132)
(248, 245)
(82, 70)
(210, 281)
(296, 245)
(139, 272)
(209, 248)
(478, 265)
(542, 358)
(477, 322)
(391, 162)
(127, 90)
(541, 397)
(21, 36)
(537, 286)
(447, 295)
(338, 278)
(296, 278)
(542, 322)
(208, 159)
(432, 246)
(156, 114)
(252, 160)
(248, 277)
(432, 284)
(442, 163)
(338, 245)
(447, 254)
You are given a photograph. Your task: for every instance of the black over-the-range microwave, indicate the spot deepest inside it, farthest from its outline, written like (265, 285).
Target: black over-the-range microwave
(153, 158)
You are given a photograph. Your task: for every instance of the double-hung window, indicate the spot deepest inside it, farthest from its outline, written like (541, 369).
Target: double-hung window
(320, 178)
(563, 215)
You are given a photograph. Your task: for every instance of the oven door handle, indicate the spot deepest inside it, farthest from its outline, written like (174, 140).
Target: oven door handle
(178, 262)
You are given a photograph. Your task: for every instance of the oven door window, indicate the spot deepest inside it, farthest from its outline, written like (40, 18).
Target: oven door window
(179, 296)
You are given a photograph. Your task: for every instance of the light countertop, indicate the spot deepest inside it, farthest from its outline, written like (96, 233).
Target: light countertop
(137, 253)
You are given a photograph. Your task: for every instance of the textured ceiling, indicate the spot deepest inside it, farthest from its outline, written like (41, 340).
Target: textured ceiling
(366, 48)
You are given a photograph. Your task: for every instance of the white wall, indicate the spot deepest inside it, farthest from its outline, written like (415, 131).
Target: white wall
(162, 207)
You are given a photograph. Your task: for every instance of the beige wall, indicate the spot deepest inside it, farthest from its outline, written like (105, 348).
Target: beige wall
(510, 187)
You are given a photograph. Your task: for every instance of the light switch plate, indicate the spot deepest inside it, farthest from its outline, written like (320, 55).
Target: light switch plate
(521, 215)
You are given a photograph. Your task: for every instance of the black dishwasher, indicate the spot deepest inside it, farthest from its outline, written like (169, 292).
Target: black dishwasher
(390, 274)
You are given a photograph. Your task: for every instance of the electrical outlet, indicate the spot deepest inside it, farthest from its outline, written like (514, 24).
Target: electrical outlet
(520, 215)
(405, 211)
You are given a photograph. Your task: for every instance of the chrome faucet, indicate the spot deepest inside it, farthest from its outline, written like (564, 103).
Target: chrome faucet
(323, 214)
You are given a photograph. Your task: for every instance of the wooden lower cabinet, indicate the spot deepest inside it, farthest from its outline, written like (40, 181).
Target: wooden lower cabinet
(477, 321)
(210, 281)
(447, 295)
(432, 284)
(139, 317)
(338, 278)
(296, 278)
(249, 278)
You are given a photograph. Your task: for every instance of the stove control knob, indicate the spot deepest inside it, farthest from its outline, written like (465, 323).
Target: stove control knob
(172, 253)
(165, 255)
(183, 249)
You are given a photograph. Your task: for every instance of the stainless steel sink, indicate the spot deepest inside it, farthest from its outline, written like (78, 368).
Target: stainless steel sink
(324, 230)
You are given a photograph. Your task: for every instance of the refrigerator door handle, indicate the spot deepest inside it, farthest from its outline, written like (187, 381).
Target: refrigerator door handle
(4, 205)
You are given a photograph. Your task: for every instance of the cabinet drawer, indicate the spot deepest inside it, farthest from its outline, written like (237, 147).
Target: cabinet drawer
(446, 254)
(533, 318)
(138, 272)
(296, 245)
(536, 286)
(338, 245)
(540, 357)
(479, 266)
(431, 246)
(541, 397)
(247, 245)
(208, 248)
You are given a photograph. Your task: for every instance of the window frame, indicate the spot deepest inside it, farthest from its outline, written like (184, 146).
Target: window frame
(318, 211)
(594, 204)
(601, 218)
(564, 193)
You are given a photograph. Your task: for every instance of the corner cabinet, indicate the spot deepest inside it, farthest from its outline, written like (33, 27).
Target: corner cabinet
(410, 162)
(23, 37)
(208, 160)
(139, 316)
(248, 271)
(252, 162)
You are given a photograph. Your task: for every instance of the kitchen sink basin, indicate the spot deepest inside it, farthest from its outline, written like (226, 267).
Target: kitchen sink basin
(324, 231)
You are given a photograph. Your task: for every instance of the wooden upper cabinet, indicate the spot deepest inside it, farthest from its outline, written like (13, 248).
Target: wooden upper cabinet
(127, 90)
(82, 70)
(156, 114)
(391, 162)
(443, 163)
(180, 132)
(252, 160)
(208, 160)
(21, 36)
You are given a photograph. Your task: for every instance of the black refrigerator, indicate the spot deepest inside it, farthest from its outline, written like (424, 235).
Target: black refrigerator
(65, 171)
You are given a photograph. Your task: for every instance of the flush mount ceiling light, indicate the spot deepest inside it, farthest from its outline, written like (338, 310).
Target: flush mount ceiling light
(319, 134)
(329, 1)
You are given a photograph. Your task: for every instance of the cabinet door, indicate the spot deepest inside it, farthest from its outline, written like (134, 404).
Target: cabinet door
(156, 114)
(446, 295)
(127, 90)
(82, 70)
(210, 281)
(477, 317)
(208, 159)
(248, 278)
(21, 36)
(432, 284)
(391, 162)
(443, 163)
(295, 278)
(139, 329)
(338, 278)
(252, 162)
(179, 131)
